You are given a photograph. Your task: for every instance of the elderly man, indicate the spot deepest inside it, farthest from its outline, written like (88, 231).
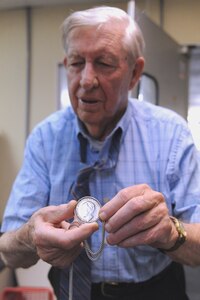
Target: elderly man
(139, 161)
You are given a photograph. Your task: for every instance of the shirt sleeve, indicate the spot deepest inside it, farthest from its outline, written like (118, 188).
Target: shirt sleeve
(183, 176)
(31, 188)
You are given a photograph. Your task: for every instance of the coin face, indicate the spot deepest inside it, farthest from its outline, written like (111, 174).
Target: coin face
(87, 209)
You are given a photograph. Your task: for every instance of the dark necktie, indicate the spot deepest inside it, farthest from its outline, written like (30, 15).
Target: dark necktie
(81, 266)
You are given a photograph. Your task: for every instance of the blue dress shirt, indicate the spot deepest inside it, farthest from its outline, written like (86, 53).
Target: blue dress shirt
(156, 148)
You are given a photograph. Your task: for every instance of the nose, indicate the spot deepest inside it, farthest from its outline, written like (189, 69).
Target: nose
(88, 77)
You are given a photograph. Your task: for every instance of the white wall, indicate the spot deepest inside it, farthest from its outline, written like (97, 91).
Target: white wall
(12, 97)
(180, 18)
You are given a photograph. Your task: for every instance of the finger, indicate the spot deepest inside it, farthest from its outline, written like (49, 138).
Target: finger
(152, 236)
(56, 214)
(121, 199)
(81, 233)
(137, 240)
(138, 224)
(124, 214)
(74, 224)
(134, 207)
(48, 236)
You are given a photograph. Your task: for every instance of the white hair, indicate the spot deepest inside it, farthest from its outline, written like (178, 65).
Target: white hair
(133, 41)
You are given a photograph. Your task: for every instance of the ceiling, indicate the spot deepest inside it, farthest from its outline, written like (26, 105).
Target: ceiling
(11, 4)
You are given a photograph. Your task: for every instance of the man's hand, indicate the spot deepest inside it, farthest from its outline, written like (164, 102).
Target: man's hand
(55, 242)
(47, 235)
(137, 215)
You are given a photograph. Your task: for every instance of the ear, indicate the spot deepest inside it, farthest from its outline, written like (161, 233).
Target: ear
(137, 71)
(65, 62)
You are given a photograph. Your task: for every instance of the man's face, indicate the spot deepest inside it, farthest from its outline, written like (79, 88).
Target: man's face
(99, 77)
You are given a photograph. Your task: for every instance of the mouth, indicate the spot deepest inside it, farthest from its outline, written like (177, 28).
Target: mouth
(88, 101)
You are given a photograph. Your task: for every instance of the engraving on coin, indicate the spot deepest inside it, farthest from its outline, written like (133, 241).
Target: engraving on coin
(87, 209)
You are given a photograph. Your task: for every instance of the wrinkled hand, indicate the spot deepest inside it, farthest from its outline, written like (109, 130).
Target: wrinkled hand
(137, 215)
(50, 234)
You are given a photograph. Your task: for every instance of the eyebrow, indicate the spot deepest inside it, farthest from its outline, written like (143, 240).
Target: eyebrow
(108, 56)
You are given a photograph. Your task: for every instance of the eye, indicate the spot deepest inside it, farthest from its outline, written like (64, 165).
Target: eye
(77, 63)
(105, 64)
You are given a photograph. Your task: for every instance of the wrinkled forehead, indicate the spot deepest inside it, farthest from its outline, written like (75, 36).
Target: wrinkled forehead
(107, 33)
(95, 41)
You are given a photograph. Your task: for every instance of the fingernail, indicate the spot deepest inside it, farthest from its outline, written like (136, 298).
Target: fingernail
(107, 227)
(102, 216)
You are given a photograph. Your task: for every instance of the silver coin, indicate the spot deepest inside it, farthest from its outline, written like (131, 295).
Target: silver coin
(87, 209)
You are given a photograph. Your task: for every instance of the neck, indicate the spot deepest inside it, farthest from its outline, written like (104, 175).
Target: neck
(101, 131)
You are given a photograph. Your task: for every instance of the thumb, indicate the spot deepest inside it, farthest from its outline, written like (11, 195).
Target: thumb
(57, 214)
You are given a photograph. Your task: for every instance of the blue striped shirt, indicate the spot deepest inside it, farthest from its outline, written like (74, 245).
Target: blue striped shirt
(156, 148)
